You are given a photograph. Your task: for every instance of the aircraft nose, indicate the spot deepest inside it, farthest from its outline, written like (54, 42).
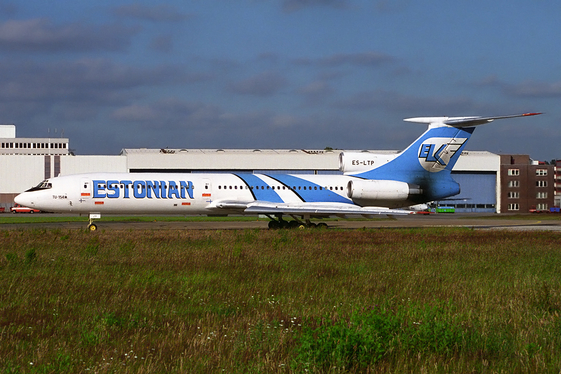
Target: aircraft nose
(23, 199)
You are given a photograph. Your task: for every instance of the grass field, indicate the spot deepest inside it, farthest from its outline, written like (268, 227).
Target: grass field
(258, 301)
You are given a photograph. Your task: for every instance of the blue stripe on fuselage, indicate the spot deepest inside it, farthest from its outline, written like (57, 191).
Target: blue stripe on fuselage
(261, 191)
(308, 191)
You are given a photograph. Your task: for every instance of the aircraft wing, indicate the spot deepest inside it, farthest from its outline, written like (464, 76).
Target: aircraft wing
(314, 209)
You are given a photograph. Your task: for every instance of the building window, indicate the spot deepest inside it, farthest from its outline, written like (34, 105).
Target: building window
(541, 195)
(541, 183)
(513, 195)
(514, 183)
(541, 207)
(513, 207)
(541, 172)
(513, 171)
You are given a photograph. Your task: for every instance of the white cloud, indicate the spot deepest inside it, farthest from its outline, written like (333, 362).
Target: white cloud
(263, 84)
(295, 5)
(39, 35)
(158, 13)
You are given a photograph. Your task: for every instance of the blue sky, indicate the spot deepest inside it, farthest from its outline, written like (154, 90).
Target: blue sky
(279, 73)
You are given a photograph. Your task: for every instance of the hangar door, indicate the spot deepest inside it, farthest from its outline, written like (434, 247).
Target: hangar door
(478, 192)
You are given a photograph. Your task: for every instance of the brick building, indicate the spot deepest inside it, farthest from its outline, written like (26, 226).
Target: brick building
(526, 185)
(557, 183)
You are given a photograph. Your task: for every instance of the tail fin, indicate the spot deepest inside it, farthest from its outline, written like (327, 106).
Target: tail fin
(428, 161)
(437, 149)
(441, 145)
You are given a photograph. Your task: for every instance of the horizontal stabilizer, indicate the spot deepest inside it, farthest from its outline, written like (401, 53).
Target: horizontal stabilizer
(463, 121)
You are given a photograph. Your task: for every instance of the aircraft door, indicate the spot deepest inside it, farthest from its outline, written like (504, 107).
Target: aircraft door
(207, 189)
(85, 188)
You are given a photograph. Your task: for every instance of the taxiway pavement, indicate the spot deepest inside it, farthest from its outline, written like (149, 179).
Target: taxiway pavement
(474, 221)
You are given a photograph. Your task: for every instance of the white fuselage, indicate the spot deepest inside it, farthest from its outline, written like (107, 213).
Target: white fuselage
(180, 193)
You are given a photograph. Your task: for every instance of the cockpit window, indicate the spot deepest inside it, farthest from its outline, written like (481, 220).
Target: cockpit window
(44, 185)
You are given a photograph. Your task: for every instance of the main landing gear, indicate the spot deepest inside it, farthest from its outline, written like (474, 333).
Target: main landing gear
(279, 223)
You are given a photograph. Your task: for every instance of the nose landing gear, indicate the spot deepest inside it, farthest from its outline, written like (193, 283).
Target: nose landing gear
(92, 226)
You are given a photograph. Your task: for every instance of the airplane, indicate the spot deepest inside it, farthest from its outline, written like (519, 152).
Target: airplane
(371, 184)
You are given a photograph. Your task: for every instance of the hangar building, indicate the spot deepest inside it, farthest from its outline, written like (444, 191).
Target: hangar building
(24, 162)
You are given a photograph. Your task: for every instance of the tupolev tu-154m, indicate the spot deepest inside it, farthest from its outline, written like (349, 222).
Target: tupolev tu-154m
(371, 184)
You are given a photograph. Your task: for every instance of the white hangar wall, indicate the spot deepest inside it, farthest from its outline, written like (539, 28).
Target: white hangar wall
(18, 173)
(478, 161)
(92, 164)
(271, 159)
(197, 160)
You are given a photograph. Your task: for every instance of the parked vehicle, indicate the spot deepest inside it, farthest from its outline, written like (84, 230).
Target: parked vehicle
(445, 209)
(23, 209)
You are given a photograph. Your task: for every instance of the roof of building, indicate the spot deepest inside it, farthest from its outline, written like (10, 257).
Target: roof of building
(126, 151)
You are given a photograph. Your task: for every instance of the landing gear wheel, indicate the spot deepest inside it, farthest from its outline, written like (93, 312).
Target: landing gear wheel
(293, 224)
(92, 227)
(273, 225)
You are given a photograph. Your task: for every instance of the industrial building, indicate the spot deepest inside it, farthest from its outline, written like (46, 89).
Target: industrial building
(485, 185)
(526, 185)
(557, 183)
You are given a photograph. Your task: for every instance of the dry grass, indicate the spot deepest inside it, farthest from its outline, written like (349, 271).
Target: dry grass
(250, 301)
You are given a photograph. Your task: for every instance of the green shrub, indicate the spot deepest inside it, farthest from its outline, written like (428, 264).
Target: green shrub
(368, 337)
